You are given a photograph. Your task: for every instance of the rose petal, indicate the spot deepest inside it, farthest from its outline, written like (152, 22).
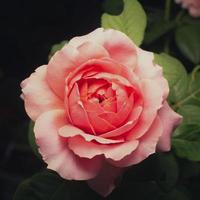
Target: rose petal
(152, 98)
(170, 120)
(103, 68)
(89, 150)
(126, 127)
(106, 180)
(37, 94)
(72, 131)
(146, 147)
(78, 115)
(68, 59)
(119, 46)
(146, 69)
(55, 152)
(118, 118)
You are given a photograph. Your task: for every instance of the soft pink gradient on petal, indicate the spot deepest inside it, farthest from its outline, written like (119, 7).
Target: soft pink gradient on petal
(152, 97)
(55, 152)
(106, 181)
(146, 147)
(37, 95)
(106, 67)
(78, 115)
(119, 117)
(67, 60)
(147, 69)
(89, 150)
(119, 46)
(170, 120)
(72, 131)
(120, 131)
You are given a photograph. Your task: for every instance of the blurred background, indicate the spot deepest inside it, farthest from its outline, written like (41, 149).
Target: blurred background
(28, 31)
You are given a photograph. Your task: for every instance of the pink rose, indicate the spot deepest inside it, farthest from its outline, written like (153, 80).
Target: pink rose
(99, 105)
(193, 6)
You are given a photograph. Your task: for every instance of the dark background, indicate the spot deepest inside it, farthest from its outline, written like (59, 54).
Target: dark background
(28, 29)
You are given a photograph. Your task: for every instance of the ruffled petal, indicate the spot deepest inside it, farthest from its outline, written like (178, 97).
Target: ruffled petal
(170, 120)
(147, 69)
(89, 150)
(55, 152)
(77, 113)
(120, 131)
(119, 46)
(146, 147)
(37, 94)
(68, 59)
(72, 131)
(152, 102)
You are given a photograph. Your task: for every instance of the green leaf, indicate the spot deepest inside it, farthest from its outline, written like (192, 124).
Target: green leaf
(193, 92)
(132, 21)
(161, 168)
(176, 75)
(186, 141)
(190, 113)
(187, 149)
(48, 185)
(43, 186)
(156, 30)
(187, 131)
(188, 41)
(31, 139)
(56, 47)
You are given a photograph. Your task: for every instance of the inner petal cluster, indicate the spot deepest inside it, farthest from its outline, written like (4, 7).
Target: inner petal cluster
(99, 103)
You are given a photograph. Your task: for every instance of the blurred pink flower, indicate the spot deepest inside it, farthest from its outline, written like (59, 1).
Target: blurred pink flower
(193, 6)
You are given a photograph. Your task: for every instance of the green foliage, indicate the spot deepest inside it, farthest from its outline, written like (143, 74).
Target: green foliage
(157, 30)
(131, 21)
(186, 141)
(48, 185)
(188, 41)
(176, 75)
(193, 91)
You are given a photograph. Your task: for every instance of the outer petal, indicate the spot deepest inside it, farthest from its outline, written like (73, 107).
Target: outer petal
(89, 150)
(37, 94)
(106, 180)
(55, 152)
(68, 59)
(146, 147)
(119, 46)
(146, 69)
(72, 131)
(170, 120)
(152, 97)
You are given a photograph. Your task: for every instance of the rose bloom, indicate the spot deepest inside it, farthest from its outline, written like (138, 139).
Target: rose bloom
(99, 106)
(193, 6)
